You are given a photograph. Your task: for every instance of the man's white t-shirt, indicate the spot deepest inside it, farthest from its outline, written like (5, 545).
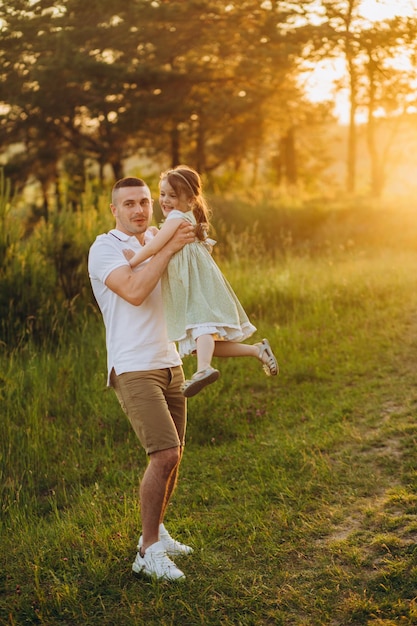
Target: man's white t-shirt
(136, 336)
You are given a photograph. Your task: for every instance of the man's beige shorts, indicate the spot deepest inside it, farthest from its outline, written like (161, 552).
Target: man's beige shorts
(155, 406)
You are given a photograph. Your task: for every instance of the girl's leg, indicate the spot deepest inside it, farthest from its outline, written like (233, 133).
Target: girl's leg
(261, 351)
(205, 374)
(230, 348)
(205, 349)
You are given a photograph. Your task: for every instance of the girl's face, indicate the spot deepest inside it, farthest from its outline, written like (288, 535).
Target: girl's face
(169, 200)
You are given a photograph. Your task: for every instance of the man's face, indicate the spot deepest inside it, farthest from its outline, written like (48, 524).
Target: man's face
(132, 208)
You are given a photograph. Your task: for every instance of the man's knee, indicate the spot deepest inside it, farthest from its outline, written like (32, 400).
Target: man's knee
(166, 460)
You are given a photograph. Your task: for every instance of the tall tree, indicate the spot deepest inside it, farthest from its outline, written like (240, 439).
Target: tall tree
(191, 81)
(343, 20)
(386, 89)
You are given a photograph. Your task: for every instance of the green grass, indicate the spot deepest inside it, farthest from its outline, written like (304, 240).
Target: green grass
(299, 494)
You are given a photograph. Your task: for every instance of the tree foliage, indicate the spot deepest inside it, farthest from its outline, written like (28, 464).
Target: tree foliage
(186, 80)
(207, 82)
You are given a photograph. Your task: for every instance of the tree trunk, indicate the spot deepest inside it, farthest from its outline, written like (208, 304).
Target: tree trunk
(45, 205)
(351, 151)
(376, 174)
(200, 148)
(101, 171)
(290, 159)
(350, 55)
(117, 167)
(175, 147)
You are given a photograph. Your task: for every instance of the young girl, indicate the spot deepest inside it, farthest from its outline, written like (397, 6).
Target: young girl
(203, 313)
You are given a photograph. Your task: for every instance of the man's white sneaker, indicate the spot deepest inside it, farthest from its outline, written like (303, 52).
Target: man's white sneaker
(171, 546)
(156, 563)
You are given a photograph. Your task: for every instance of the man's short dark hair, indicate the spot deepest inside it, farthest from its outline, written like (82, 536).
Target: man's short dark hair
(128, 181)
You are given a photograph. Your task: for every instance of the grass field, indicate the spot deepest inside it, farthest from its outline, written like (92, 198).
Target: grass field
(299, 494)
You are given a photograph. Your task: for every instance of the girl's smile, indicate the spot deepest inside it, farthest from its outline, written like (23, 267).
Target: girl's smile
(169, 200)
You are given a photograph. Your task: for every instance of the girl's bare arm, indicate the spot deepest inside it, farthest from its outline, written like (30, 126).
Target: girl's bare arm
(135, 287)
(157, 243)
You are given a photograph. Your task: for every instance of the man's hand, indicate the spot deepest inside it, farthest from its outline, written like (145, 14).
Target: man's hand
(129, 254)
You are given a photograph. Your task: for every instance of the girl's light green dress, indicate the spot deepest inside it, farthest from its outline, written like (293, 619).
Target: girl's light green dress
(198, 299)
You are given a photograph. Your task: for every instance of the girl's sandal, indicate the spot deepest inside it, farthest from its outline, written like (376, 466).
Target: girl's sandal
(267, 358)
(198, 381)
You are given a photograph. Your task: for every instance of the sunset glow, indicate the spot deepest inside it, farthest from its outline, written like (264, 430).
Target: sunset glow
(320, 81)
(377, 10)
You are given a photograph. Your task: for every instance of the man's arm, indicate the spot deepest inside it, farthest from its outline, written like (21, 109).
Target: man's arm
(157, 243)
(135, 287)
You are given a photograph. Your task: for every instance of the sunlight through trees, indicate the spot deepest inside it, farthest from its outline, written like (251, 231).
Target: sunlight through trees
(86, 86)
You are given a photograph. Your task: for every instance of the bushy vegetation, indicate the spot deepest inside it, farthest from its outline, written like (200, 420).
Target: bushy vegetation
(43, 277)
(44, 284)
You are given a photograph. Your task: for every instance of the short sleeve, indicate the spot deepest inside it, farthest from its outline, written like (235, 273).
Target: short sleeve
(104, 258)
(175, 214)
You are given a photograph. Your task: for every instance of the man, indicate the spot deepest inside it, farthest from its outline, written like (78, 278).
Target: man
(144, 368)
